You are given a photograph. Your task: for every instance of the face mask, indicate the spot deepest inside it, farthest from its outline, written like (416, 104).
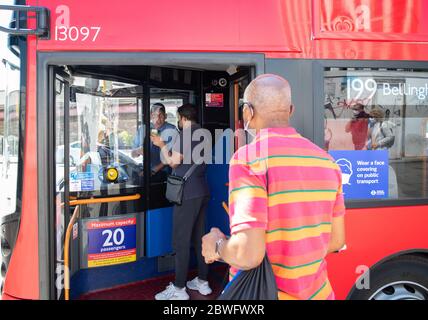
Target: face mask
(346, 178)
(179, 126)
(246, 126)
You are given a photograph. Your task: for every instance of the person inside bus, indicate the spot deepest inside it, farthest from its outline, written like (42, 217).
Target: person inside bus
(188, 218)
(358, 126)
(167, 131)
(381, 132)
(285, 199)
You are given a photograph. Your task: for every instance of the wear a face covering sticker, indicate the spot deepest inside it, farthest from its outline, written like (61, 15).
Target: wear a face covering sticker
(364, 173)
(82, 181)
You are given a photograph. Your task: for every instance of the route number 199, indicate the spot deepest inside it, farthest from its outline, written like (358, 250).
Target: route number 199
(358, 87)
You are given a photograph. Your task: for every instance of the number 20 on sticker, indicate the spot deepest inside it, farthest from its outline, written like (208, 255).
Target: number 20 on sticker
(118, 237)
(63, 33)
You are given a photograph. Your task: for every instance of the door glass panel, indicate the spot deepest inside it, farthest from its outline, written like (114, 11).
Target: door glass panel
(104, 118)
(59, 197)
(103, 129)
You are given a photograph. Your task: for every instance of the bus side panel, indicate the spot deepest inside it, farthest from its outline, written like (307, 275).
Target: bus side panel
(305, 29)
(373, 235)
(22, 278)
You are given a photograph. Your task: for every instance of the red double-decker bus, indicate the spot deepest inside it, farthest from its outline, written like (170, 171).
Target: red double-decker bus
(82, 218)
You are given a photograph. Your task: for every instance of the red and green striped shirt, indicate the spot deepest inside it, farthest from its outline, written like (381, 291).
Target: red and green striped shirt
(290, 187)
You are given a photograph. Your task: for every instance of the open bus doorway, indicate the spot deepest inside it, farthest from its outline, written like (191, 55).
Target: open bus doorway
(113, 224)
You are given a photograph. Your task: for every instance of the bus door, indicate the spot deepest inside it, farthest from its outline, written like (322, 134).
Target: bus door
(222, 94)
(99, 177)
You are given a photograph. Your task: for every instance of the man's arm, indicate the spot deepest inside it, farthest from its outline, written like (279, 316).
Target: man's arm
(158, 168)
(337, 236)
(244, 250)
(388, 136)
(170, 157)
(337, 240)
(348, 127)
(248, 220)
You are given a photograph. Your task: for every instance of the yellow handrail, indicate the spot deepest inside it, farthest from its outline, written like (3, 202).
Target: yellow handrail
(226, 208)
(66, 252)
(103, 200)
(73, 220)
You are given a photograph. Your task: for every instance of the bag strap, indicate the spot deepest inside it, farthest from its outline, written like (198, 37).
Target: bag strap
(381, 130)
(190, 171)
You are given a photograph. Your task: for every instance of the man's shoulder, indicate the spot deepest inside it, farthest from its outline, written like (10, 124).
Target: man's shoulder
(319, 152)
(387, 124)
(249, 154)
(168, 125)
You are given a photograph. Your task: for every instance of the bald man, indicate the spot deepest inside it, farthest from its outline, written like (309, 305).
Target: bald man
(285, 199)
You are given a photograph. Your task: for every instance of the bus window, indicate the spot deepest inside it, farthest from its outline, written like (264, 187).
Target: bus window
(375, 128)
(9, 122)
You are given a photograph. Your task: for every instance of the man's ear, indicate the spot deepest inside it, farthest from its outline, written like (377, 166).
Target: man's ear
(247, 113)
(292, 108)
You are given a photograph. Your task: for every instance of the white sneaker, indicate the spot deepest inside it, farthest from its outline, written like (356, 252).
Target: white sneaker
(200, 285)
(172, 293)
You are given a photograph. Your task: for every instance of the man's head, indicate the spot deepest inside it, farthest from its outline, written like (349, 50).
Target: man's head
(267, 102)
(158, 115)
(186, 114)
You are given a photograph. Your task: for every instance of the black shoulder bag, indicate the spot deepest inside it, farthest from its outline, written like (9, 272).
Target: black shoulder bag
(175, 186)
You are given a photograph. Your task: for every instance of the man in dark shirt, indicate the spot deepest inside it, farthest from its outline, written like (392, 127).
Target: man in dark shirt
(189, 218)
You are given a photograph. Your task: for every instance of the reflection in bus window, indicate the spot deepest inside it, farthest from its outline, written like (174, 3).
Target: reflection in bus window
(376, 120)
(9, 135)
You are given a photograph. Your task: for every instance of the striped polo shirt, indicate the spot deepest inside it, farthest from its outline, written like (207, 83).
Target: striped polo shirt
(290, 187)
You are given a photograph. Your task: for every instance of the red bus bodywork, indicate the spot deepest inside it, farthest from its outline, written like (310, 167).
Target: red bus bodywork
(292, 29)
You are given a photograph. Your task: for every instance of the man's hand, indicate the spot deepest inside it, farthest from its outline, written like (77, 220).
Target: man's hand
(157, 140)
(209, 244)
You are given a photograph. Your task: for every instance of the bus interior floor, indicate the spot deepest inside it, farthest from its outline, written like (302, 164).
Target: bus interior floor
(147, 289)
